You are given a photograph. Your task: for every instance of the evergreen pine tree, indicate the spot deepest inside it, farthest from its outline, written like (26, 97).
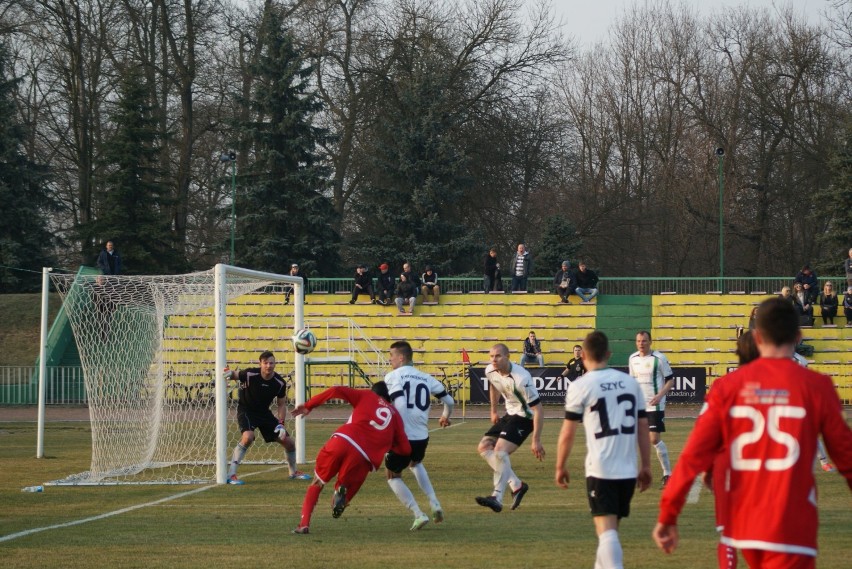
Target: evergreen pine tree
(132, 205)
(559, 242)
(283, 214)
(837, 239)
(26, 239)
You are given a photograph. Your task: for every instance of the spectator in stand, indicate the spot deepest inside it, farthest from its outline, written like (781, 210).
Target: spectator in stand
(109, 261)
(429, 285)
(810, 284)
(492, 267)
(575, 366)
(363, 285)
(296, 272)
(409, 274)
(587, 283)
(406, 293)
(532, 351)
(847, 306)
(385, 285)
(802, 303)
(520, 267)
(564, 282)
(828, 304)
(847, 266)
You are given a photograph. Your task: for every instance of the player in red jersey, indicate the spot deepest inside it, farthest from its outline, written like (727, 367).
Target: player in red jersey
(766, 416)
(356, 448)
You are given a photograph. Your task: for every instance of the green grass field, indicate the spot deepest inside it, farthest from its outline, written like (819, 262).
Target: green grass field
(250, 525)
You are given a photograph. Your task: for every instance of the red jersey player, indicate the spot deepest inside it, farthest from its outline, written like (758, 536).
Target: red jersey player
(767, 416)
(356, 448)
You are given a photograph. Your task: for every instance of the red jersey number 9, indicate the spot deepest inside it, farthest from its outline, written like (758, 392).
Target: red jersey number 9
(771, 426)
(384, 415)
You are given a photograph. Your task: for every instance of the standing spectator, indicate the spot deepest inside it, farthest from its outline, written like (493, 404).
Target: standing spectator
(405, 293)
(385, 285)
(810, 284)
(296, 272)
(802, 303)
(520, 267)
(410, 391)
(363, 285)
(492, 266)
(656, 378)
(354, 449)
(109, 260)
(412, 278)
(575, 366)
(564, 282)
(613, 431)
(847, 266)
(587, 283)
(847, 306)
(258, 386)
(532, 351)
(429, 285)
(768, 415)
(523, 416)
(828, 303)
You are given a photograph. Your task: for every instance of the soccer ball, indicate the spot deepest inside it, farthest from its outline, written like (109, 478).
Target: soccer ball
(304, 341)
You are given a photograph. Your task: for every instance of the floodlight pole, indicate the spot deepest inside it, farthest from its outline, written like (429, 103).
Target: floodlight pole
(720, 152)
(231, 157)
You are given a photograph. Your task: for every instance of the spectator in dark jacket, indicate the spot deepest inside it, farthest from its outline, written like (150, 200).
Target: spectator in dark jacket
(410, 276)
(406, 293)
(295, 271)
(489, 280)
(109, 261)
(847, 305)
(429, 285)
(828, 304)
(810, 284)
(363, 285)
(564, 282)
(385, 285)
(587, 283)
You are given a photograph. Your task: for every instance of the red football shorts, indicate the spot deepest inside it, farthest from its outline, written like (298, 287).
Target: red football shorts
(776, 560)
(339, 458)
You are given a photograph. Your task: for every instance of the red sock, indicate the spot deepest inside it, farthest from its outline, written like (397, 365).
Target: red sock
(727, 556)
(311, 497)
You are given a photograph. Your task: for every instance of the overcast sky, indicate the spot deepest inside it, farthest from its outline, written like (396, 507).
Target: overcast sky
(588, 20)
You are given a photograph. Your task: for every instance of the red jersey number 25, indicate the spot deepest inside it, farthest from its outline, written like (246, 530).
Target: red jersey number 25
(770, 426)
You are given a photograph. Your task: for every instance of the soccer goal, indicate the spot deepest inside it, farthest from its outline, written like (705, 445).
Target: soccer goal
(153, 349)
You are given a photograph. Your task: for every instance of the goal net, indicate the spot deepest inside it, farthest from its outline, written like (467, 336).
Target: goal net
(150, 346)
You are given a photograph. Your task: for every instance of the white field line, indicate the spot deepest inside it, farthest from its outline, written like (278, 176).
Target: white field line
(25, 533)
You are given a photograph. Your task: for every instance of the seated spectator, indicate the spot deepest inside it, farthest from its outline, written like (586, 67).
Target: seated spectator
(410, 276)
(802, 303)
(492, 267)
(406, 293)
(810, 284)
(564, 282)
(520, 266)
(847, 266)
(385, 285)
(575, 366)
(587, 282)
(296, 272)
(751, 321)
(532, 351)
(828, 303)
(786, 294)
(363, 285)
(429, 285)
(847, 305)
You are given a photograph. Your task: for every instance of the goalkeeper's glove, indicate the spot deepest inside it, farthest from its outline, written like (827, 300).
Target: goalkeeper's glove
(228, 374)
(281, 430)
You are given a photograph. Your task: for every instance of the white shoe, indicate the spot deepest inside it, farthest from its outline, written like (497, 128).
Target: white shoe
(419, 522)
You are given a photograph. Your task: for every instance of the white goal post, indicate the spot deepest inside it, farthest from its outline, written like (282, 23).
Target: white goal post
(153, 349)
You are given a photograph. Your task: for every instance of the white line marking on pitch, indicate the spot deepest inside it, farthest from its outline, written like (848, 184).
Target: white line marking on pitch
(25, 533)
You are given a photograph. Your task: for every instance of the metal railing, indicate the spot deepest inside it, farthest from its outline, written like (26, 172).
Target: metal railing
(19, 385)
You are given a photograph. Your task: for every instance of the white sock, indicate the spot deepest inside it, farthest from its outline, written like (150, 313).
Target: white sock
(405, 496)
(663, 456)
(503, 474)
(423, 481)
(236, 459)
(610, 554)
(291, 461)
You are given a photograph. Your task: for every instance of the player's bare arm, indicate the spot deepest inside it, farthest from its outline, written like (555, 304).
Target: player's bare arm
(538, 421)
(563, 451)
(644, 479)
(666, 537)
(494, 397)
(301, 411)
(444, 422)
(667, 386)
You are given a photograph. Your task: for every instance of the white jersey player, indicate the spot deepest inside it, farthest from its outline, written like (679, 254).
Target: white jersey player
(656, 378)
(612, 408)
(524, 417)
(411, 392)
